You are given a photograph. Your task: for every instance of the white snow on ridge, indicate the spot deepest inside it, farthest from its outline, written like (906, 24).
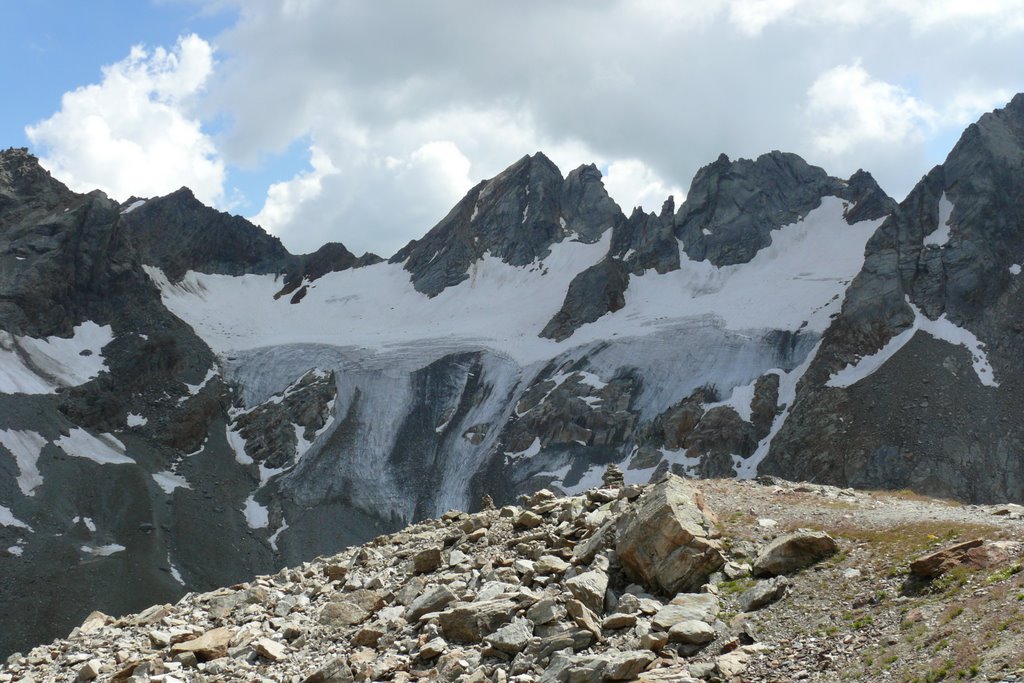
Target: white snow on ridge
(799, 278)
(104, 449)
(940, 236)
(941, 328)
(376, 307)
(7, 518)
(26, 446)
(134, 205)
(62, 358)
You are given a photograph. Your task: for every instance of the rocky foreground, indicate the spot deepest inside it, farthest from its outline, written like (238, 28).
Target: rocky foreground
(676, 581)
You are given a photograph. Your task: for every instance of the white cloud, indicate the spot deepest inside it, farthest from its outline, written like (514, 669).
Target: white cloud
(133, 133)
(850, 109)
(977, 16)
(284, 199)
(630, 182)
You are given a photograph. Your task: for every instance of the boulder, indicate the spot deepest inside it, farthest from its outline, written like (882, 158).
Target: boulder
(763, 593)
(687, 607)
(666, 543)
(470, 622)
(974, 553)
(211, 645)
(691, 632)
(512, 637)
(794, 551)
(433, 599)
(589, 588)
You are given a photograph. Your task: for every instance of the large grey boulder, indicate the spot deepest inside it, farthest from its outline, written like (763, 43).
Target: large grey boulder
(666, 542)
(794, 551)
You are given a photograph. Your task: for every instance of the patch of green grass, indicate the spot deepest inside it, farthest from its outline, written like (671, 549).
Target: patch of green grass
(1005, 573)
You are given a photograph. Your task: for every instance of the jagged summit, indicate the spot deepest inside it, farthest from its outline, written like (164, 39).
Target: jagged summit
(516, 217)
(732, 207)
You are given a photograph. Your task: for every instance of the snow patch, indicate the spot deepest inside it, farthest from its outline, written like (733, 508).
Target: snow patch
(168, 481)
(939, 237)
(135, 420)
(38, 366)
(194, 389)
(104, 449)
(740, 400)
(25, 446)
(7, 518)
(134, 205)
(103, 550)
(174, 571)
(87, 521)
(237, 443)
(941, 328)
(1015, 269)
(277, 534)
(256, 515)
(17, 550)
(532, 450)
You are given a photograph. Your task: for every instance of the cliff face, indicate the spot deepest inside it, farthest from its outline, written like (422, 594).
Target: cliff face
(933, 324)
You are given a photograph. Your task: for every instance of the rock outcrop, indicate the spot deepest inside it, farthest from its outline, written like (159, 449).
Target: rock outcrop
(913, 380)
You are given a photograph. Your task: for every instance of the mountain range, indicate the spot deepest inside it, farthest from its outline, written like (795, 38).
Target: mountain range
(184, 403)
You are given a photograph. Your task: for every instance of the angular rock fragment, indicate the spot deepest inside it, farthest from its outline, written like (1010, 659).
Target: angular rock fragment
(665, 544)
(211, 645)
(763, 593)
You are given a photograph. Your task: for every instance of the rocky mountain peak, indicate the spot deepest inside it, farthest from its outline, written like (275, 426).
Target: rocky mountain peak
(733, 206)
(26, 187)
(516, 216)
(178, 233)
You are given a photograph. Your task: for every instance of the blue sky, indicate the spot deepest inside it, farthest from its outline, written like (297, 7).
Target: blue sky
(365, 122)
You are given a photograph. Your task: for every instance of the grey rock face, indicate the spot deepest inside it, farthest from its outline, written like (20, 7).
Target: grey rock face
(647, 240)
(597, 290)
(924, 419)
(178, 233)
(733, 206)
(516, 216)
(270, 429)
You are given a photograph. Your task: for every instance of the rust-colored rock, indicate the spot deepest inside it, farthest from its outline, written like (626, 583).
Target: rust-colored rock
(211, 645)
(974, 553)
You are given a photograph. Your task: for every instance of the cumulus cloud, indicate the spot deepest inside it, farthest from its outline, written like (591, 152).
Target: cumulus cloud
(856, 109)
(650, 90)
(404, 107)
(632, 183)
(133, 133)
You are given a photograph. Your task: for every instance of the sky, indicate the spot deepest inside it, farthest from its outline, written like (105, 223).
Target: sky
(365, 122)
